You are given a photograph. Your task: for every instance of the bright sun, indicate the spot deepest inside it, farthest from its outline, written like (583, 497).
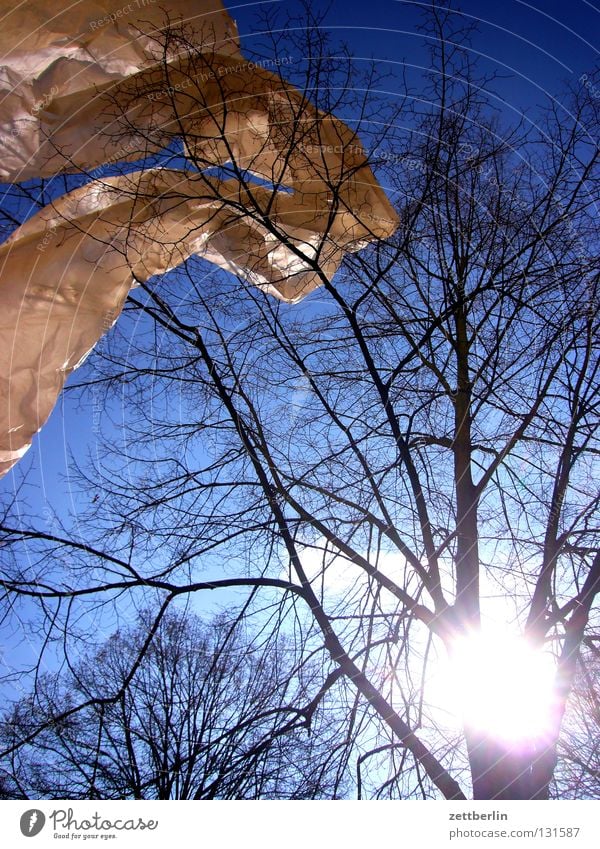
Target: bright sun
(501, 685)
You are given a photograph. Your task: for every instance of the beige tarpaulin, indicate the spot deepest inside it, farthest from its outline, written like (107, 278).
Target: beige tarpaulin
(65, 273)
(100, 240)
(49, 50)
(115, 36)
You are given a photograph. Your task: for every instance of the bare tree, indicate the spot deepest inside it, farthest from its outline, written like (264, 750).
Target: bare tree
(204, 716)
(416, 441)
(578, 770)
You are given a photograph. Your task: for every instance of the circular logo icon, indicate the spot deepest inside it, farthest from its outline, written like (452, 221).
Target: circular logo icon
(32, 822)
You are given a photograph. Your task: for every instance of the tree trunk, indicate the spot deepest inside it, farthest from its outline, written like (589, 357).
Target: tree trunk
(506, 770)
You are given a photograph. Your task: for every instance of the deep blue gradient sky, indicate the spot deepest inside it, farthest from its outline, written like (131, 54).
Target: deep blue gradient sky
(538, 48)
(538, 44)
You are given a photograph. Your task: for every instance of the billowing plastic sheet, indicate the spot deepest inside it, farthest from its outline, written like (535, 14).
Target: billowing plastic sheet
(65, 273)
(65, 49)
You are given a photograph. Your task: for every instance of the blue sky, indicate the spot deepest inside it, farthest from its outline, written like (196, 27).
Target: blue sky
(539, 44)
(536, 47)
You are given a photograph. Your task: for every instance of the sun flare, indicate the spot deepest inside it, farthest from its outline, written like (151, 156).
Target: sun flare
(501, 685)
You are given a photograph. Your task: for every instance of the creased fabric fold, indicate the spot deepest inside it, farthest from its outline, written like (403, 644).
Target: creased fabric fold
(89, 88)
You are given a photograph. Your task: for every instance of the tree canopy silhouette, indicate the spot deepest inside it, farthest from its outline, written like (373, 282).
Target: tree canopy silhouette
(387, 468)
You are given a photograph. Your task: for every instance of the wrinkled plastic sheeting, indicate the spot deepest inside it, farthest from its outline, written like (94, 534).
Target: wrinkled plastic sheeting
(110, 35)
(51, 51)
(100, 96)
(67, 271)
